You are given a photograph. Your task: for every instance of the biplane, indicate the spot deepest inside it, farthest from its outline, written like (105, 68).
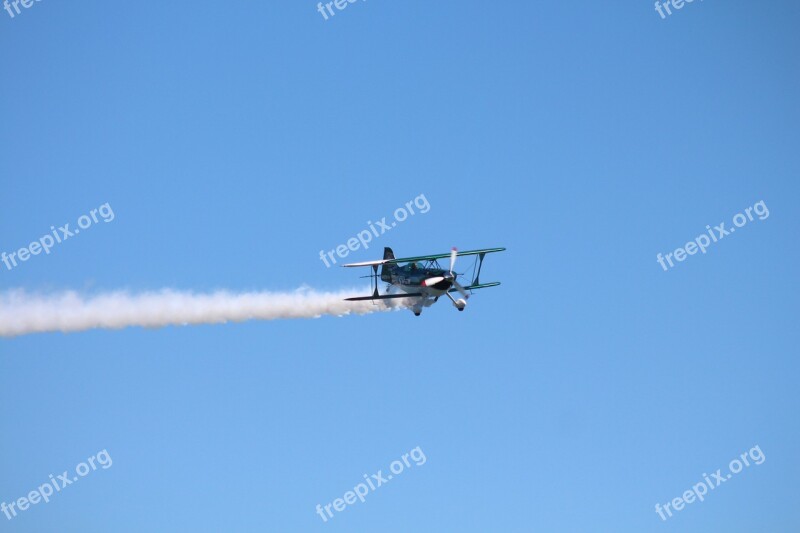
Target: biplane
(423, 278)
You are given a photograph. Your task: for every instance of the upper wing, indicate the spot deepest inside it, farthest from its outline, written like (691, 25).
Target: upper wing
(369, 263)
(421, 258)
(436, 256)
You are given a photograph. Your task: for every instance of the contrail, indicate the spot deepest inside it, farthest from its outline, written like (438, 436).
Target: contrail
(22, 313)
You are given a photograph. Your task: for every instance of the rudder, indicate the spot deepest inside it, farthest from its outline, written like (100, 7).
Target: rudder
(386, 270)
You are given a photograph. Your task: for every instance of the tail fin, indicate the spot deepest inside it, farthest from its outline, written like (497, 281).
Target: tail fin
(386, 270)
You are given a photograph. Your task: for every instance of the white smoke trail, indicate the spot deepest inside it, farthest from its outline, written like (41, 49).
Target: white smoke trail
(22, 313)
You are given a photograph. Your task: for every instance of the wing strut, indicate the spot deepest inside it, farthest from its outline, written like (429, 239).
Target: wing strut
(477, 281)
(375, 279)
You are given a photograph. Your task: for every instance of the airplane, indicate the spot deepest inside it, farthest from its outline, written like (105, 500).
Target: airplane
(423, 278)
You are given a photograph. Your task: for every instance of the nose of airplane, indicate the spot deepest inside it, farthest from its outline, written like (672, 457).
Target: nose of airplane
(445, 284)
(442, 282)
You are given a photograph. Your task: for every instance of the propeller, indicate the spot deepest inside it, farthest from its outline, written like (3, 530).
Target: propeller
(451, 276)
(457, 285)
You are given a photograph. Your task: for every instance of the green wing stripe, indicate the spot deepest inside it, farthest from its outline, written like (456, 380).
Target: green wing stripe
(483, 285)
(480, 286)
(443, 256)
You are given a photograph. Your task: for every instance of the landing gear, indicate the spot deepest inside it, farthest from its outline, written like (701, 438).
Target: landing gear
(459, 304)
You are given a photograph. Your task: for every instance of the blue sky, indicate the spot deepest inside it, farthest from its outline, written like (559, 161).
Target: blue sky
(235, 141)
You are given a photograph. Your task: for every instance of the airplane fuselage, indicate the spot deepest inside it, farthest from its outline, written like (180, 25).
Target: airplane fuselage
(410, 278)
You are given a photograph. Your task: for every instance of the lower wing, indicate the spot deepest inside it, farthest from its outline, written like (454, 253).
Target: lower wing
(383, 297)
